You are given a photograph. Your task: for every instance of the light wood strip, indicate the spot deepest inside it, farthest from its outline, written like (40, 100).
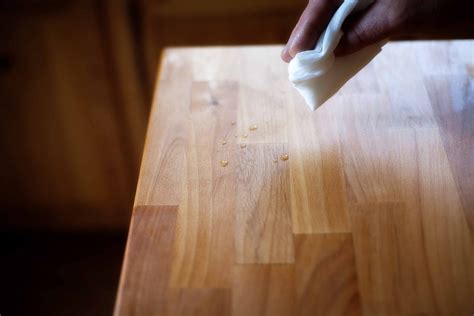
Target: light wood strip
(146, 268)
(392, 266)
(265, 109)
(263, 289)
(308, 205)
(364, 81)
(318, 194)
(263, 222)
(407, 260)
(400, 77)
(449, 58)
(260, 105)
(163, 157)
(199, 302)
(205, 239)
(452, 98)
(371, 166)
(449, 246)
(325, 273)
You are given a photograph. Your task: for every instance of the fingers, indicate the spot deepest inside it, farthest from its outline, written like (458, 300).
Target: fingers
(366, 28)
(312, 22)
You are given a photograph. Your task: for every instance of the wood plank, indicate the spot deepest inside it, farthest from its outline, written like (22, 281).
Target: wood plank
(411, 254)
(449, 246)
(265, 109)
(393, 270)
(318, 193)
(205, 239)
(365, 81)
(146, 268)
(326, 279)
(199, 302)
(449, 58)
(164, 154)
(263, 222)
(263, 289)
(260, 106)
(452, 98)
(371, 167)
(400, 77)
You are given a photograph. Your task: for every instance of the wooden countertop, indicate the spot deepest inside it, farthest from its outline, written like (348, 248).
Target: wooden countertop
(373, 212)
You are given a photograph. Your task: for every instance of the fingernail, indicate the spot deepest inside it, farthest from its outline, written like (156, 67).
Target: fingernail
(285, 56)
(294, 47)
(293, 51)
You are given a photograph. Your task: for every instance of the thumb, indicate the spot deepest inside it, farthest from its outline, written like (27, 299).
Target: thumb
(365, 28)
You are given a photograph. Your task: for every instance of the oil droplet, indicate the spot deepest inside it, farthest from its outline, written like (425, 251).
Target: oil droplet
(243, 145)
(224, 142)
(224, 163)
(275, 160)
(253, 128)
(245, 136)
(233, 123)
(284, 157)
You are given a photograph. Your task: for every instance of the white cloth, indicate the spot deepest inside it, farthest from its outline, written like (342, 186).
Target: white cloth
(317, 74)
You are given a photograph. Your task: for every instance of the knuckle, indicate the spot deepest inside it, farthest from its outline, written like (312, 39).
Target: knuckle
(359, 35)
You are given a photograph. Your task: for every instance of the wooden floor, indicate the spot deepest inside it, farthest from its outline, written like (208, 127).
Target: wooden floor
(372, 214)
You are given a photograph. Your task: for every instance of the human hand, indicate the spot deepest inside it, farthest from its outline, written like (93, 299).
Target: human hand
(383, 19)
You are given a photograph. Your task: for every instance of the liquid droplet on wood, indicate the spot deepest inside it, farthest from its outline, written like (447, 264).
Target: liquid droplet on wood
(243, 145)
(224, 163)
(275, 160)
(233, 123)
(253, 127)
(224, 142)
(245, 136)
(284, 157)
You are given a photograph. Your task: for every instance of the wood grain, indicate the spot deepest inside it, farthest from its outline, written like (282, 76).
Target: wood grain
(164, 154)
(147, 262)
(199, 302)
(446, 234)
(318, 189)
(402, 81)
(370, 215)
(453, 102)
(204, 241)
(263, 289)
(391, 261)
(263, 223)
(326, 278)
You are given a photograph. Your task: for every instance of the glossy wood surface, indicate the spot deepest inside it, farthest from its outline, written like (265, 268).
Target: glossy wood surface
(372, 214)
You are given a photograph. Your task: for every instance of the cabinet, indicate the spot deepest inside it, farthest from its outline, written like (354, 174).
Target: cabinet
(72, 116)
(213, 22)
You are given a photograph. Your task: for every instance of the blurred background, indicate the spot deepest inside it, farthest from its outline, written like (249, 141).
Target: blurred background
(76, 82)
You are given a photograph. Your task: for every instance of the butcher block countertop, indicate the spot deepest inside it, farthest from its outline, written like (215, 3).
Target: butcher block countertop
(250, 204)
